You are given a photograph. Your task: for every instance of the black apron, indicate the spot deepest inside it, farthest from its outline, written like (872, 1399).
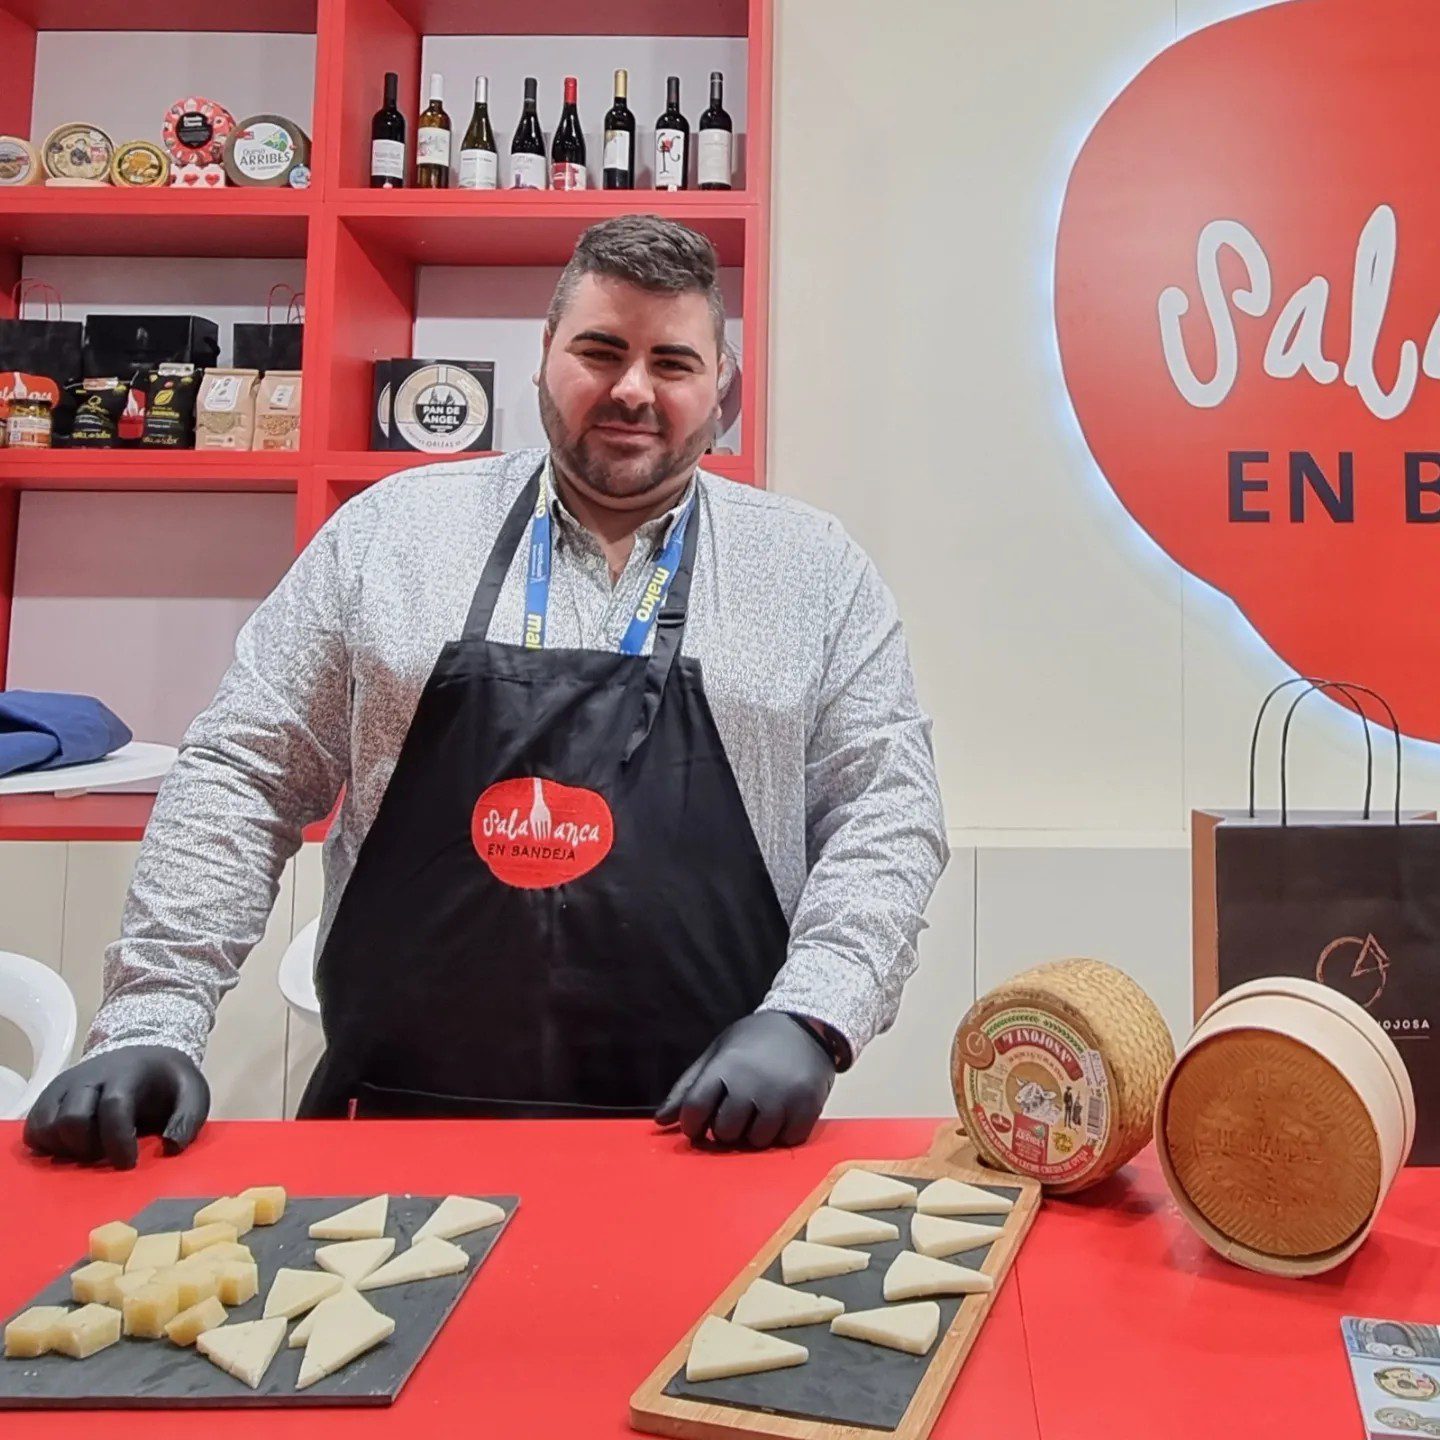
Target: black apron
(561, 901)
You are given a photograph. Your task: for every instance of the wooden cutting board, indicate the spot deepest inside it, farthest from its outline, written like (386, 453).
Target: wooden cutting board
(847, 1390)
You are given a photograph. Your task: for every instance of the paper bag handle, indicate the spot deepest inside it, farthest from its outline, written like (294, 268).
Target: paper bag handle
(1346, 686)
(1354, 704)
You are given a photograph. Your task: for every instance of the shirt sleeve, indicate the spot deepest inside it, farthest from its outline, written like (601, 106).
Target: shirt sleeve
(875, 830)
(266, 758)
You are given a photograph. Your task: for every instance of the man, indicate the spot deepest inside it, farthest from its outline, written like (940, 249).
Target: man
(640, 815)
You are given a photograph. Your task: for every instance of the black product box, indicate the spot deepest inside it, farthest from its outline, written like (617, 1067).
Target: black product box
(434, 407)
(126, 345)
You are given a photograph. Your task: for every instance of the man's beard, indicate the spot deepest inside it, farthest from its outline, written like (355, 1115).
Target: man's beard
(620, 477)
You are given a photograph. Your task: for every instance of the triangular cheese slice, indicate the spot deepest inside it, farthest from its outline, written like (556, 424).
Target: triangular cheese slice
(245, 1350)
(427, 1260)
(460, 1215)
(864, 1190)
(910, 1276)
(293, 1292)
(829, 1226)
(935, 1236)
(339, 1336)
(353, 1260)
(768, 1306)
(955, 1197)
(911, 1328)
(803, 1260)
(365, 1221)
(721, 1349)
(345, 1297)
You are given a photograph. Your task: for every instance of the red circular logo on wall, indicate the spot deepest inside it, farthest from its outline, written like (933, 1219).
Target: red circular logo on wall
(1247, 283)
(535, 833)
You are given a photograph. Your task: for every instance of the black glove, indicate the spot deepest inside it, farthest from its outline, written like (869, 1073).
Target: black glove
(763, 1082)
(100, 1107)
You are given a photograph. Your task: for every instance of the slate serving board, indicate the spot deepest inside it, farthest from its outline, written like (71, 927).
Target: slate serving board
(847, 1382)
(142, 1374)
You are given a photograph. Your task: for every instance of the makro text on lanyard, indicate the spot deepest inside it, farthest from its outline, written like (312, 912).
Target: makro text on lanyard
(537, 582)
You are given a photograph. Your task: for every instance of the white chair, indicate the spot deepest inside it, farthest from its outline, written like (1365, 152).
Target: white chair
(297, 975)
(34, 998)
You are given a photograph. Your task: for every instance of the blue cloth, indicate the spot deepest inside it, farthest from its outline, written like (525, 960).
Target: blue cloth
(44, 731)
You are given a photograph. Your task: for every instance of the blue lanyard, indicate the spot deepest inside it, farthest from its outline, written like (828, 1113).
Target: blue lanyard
(647, 611)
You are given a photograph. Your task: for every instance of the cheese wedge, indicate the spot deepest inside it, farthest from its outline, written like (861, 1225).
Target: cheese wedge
(459, 1215)
(955, 1197)
(245, 1350)
(94, 1284)
(113, 1242)
(268, 1200)
(353, 1260)
(85, 1331)
(864, 1190)
(293, 1292)
(346, 1296)
(910, 1276)
(768, 1306)
(829, 1226)
(154, 1252)
(189, 1325)
(228, 1210)
(935, 1236)
(722, 1349)
(365, 1221)
(428, 1260)
(30, 1333)
(803, 1260)
(911, 1328)
(339, 1336)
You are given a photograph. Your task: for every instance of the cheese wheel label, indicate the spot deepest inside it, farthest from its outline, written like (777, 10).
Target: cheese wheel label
(1040, 1096)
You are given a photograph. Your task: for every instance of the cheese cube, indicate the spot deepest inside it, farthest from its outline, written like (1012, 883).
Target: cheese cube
(203, 1236)
(155, 1252)
(151, 1308)
(237, 1282)
(230, 1210)
(269, 1202)
(84, 1331)
(30, 1333)
(189, 1325)
(220, 1254)
(94, 1284)
(113, 1242)
(128, 1283)
(193, 1283)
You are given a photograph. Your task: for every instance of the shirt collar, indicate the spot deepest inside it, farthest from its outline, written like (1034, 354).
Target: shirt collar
(654, 532)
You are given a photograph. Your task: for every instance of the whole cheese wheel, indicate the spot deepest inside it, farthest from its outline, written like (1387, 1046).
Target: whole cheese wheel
(265, 150)
(139, 163)
(1056, 1072)
(195, 130)
(77, 151)
(19, 164)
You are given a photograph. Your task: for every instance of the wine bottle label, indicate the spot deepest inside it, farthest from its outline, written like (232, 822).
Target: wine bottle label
(669, 159)
(564, 176)
(617, 150)
(387, 159)
(432, 146)
(713, 160)
(479, 169)
(528, 172)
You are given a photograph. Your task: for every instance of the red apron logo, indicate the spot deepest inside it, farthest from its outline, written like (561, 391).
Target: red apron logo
(534, 834)
(1246, 303)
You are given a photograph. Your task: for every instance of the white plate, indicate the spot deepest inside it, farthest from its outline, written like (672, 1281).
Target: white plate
(132, 762)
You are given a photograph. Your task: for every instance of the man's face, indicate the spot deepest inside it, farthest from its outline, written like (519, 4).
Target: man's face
(629, 386)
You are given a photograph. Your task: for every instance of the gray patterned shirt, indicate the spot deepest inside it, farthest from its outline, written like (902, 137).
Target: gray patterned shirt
(806, 670)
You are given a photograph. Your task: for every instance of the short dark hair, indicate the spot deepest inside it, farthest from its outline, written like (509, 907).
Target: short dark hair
(648, 251)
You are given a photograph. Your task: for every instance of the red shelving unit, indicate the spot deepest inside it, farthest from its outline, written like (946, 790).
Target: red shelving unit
(362, 249)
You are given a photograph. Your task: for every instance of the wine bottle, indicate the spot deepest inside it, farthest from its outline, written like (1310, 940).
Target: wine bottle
(387, 141)
(672, 142)
(620, 138)
(479, 164)
(527, 149)
(715, 143)
(567, 154)
(432, 141)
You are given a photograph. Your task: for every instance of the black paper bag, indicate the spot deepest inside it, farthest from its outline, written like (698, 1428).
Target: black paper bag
(1351, 900)
(127, 345)
(272, 344)
(45, 347)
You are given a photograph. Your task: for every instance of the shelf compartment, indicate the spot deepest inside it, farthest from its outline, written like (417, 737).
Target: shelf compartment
(274, 17)
(267, 472)
(574, 17)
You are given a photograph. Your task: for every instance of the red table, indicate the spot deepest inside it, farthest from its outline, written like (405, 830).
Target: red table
(1116, 1321)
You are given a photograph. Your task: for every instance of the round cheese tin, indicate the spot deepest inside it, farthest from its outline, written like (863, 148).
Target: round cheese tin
(19, 164)
(195, 130)
(441, 409)
(139, 163)
(77, 151)
(265, 150)
(1057, 1070)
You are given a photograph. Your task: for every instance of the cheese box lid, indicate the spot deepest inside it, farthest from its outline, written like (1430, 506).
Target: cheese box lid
(139, 163)
(195, 130)
(19, 164)
(265, 150)
(77, 151)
